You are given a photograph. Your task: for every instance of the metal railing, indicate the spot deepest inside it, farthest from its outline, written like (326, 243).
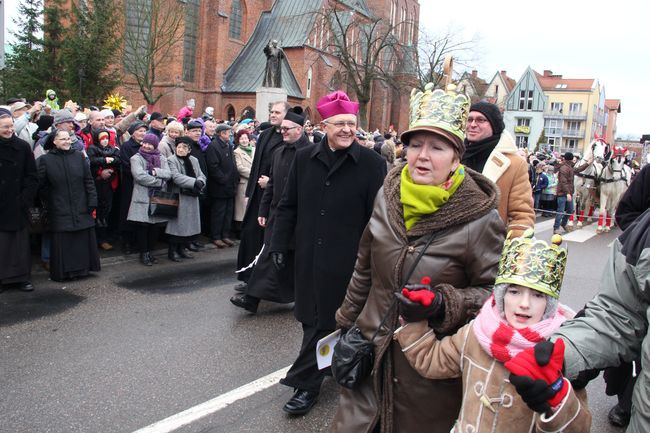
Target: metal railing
(568, 115)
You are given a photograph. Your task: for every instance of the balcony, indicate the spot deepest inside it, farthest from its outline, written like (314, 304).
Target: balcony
(566, 133)
(569, 115)
(573, 133)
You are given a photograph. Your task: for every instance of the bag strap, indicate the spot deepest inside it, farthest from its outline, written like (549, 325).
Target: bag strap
(404, 282)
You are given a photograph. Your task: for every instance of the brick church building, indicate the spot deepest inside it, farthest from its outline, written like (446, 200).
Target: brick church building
(220, 62)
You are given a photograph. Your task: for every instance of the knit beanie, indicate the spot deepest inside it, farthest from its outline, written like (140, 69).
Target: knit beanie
(499, 292)
(492, 114)
(63, 116)
(151, 139)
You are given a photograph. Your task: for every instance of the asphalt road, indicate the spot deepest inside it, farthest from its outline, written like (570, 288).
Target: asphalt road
(131, 346)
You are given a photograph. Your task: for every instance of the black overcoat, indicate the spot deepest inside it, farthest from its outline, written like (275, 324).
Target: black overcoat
(222, 175)
(327, 210)
(252, 235)
(266, 282)
(18, 183)
(68, 189)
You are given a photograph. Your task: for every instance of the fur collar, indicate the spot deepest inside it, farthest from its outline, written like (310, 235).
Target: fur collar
(474, 198)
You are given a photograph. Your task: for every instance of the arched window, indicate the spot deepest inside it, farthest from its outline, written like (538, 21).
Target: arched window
(235, 19)
(309, 78)
(230, 112)
(248, 113)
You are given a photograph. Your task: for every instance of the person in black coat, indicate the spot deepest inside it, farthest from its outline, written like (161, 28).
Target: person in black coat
(137, 131)
(327, 202)
(266, 282)
(223, 178)
(104, 166)
(67, 188)
(635, 200)
(18, 185)
(252, 234)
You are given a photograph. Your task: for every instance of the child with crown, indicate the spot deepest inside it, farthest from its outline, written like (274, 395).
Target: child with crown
(512, 375)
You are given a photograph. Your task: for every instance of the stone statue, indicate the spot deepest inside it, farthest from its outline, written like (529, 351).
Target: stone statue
(273, 72)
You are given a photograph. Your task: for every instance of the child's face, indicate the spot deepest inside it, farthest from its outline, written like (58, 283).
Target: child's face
(523, 307)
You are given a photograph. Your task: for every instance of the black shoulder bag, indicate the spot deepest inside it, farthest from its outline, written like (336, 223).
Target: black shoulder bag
(354, 355)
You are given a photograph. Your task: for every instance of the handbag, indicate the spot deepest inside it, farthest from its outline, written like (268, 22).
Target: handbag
(37, 219)
(163, 203)
(354, 355)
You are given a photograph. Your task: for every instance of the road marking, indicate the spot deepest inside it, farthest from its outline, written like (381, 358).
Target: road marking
(584, 234)
(216, 404)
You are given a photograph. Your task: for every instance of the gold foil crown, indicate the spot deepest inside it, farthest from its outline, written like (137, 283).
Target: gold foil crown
(447, 110)
(533, 263)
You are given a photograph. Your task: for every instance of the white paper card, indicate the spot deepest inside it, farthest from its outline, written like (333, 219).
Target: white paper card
(325, 349)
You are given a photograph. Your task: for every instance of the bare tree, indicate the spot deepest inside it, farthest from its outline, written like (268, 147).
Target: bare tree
(366, 47)
(153, 30)
(432, 50)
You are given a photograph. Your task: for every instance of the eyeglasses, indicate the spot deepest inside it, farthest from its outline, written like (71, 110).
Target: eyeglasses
(285, 129)
(478, 120)
(342, 123)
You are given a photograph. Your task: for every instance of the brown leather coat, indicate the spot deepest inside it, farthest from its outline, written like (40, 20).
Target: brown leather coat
(490, 402)
(463, 256)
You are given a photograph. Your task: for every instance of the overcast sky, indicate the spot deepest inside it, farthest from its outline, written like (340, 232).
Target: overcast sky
(605, 40)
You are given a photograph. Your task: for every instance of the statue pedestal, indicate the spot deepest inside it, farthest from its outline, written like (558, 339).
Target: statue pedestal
(263, 97)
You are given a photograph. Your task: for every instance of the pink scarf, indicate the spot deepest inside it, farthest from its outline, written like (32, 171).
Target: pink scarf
(502, 341)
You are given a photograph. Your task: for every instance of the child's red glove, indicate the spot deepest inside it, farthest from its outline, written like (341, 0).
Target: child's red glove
(536, 373)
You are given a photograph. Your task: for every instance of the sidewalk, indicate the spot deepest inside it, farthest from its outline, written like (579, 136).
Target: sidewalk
(117, 256)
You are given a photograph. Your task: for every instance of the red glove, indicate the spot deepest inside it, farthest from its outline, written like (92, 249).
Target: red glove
(537, 375)
(419, 301)
(424, 297)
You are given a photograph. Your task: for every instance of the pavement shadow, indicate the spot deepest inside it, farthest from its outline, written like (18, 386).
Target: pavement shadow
(17, 306)
(175, 278)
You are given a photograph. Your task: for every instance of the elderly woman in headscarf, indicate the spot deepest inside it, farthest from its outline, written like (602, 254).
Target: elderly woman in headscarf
(188, 181)
(432, 218)
(150, 171)
(18, 185)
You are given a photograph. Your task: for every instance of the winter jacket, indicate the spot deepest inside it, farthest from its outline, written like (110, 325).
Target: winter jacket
(463, 256)
(167, 147)
(67, 188)
(490, 402)
(551, 188)
(18, 183)
(541, 183)
(222, 172)
(565, 176)
(244, 162)
(188, 221)
(510, 172)
(97, 157)
(615, 326)
(635, 200)
(143, 182)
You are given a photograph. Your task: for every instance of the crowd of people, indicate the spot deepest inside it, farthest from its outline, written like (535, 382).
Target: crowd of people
(422, 244)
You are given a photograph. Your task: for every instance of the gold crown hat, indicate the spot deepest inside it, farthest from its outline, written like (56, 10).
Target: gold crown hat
(533, 263)
(443, 112)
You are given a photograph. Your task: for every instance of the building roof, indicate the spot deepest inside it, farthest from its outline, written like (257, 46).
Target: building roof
(509, 82)
(479, 84)
(551, 82)
(613, 104)
(289, 22)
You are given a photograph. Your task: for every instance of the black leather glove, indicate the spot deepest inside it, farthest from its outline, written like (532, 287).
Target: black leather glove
(279, 260)
(199, 184)
(414, 306)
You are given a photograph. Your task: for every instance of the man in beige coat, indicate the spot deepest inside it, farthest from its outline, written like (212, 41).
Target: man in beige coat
(491, 150)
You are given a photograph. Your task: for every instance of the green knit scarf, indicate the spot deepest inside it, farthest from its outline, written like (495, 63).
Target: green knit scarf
(247, 149)
(419, 200)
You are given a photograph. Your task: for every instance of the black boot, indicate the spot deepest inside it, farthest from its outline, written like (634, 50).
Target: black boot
(172, 253)
(183, 252)
(145, 259)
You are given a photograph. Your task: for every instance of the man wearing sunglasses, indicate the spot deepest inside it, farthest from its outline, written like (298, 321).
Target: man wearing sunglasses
(491, 150)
